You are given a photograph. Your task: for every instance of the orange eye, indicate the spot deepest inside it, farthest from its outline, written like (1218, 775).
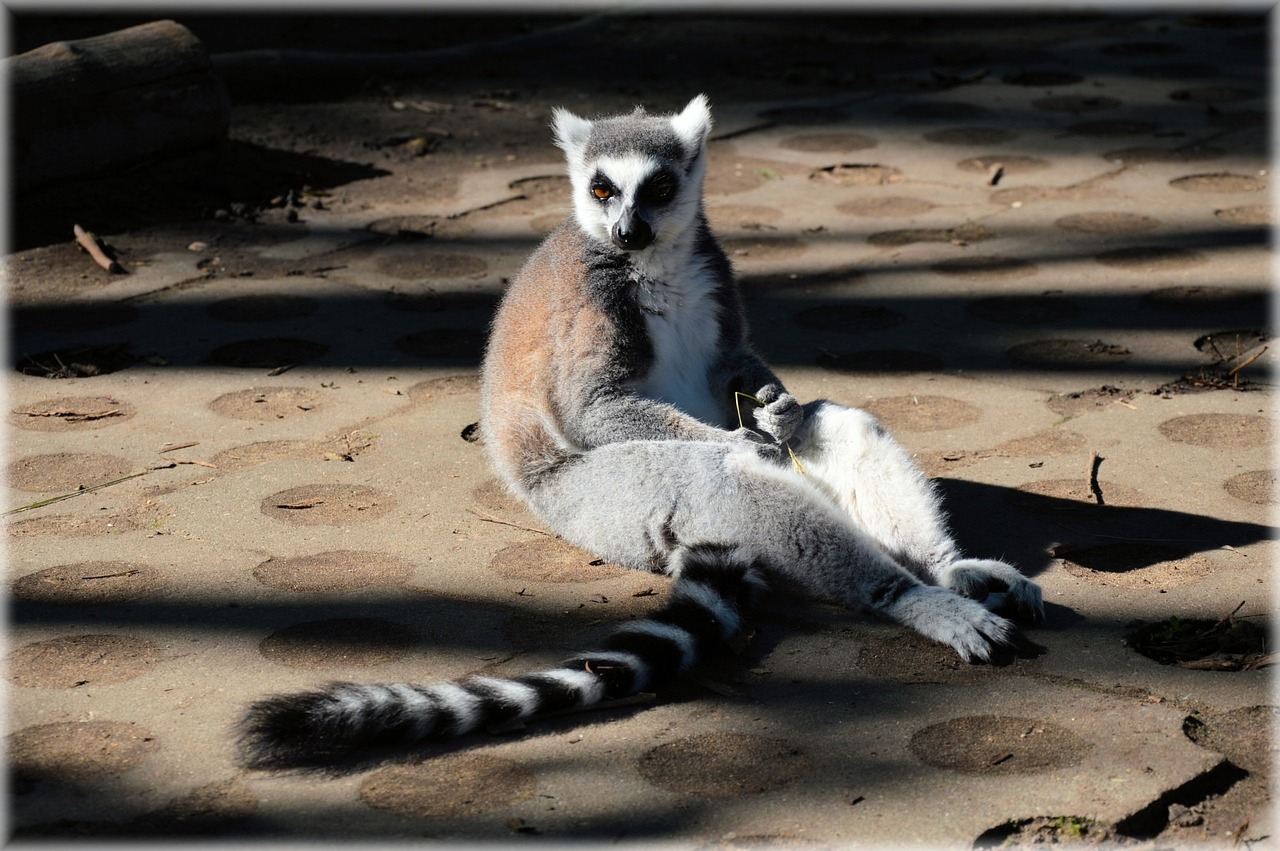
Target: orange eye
(601, 192)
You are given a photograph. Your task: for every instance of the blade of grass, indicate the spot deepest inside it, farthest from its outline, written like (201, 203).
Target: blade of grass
(59, 498)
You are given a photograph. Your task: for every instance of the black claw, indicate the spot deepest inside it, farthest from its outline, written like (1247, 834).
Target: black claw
(1019, 612)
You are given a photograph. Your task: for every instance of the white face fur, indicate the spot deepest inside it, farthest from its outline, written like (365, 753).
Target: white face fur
(637, 183)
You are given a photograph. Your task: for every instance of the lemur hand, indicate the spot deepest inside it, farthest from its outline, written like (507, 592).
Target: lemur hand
(763, 447)
(781, 414)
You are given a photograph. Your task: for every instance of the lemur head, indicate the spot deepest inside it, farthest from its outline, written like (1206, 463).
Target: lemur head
(637, 179)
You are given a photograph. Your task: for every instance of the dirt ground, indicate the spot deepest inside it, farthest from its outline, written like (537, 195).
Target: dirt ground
(1034, 246)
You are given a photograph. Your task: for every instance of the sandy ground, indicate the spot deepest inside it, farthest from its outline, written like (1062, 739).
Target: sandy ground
(1025, 244)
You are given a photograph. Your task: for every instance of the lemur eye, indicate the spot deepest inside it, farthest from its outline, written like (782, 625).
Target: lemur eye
(659, 190)
(603, 191)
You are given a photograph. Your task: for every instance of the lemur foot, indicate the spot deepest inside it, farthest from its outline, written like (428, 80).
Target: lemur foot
(999, 586)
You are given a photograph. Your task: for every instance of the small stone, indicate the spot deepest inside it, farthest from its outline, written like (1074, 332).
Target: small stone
(1181, 816)
(197, 246)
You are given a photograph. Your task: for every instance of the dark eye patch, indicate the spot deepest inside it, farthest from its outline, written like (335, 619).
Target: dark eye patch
(658, 189)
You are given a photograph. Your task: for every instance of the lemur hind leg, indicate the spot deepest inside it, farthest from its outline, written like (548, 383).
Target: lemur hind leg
(636, 502)
(850, 455)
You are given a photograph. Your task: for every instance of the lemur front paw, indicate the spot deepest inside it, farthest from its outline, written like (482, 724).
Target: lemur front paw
(977, 634)
(761, 444)
(998, 586)
(781, 414)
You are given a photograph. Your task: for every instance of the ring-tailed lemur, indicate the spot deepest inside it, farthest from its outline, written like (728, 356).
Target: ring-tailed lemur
(610, 404)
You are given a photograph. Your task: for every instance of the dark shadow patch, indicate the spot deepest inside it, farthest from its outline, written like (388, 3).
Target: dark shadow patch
(848, 318)
(1068, 354)
(74, 317)
(942, 109)
(186, 187)
(1198, 298)
(77, 361)
(1118, 127)
(263, 308)
(1075, 103)
(270, 353)
(1039, 78)
(1151, 258)
(879, 361)
(986, 267)
(1022, 310)
(448, 344)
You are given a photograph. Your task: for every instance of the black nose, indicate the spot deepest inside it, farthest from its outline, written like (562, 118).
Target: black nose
(632, 234)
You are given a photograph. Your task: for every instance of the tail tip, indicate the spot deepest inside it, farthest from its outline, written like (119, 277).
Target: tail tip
(283, 731)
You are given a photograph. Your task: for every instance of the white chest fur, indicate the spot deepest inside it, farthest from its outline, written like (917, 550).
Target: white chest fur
(681, 316)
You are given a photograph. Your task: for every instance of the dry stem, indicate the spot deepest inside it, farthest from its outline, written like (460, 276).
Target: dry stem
(89, 243)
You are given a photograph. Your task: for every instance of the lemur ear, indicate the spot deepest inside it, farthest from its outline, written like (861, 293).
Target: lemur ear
(693, 124)
(571, 132)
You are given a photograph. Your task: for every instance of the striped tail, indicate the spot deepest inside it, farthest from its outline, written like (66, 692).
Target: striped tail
(712, 594)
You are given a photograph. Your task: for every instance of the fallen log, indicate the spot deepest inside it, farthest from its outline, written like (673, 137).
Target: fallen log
(83, 107)
(270, 72)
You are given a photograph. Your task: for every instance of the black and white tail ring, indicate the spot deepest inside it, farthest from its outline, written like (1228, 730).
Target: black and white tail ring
(712, 595)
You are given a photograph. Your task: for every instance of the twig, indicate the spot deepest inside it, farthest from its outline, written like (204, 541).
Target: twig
(89, 243)
(119, 575)
(193, 461)
(170, 447)
(1235, 373)
(73, 416)
(51, 500)
(1228, 618)
(1094, 464)
(429, 106)
(489, 518)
